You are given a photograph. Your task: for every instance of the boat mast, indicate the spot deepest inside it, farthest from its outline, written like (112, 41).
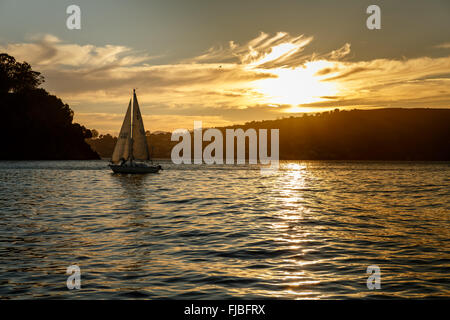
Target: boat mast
(132, 124)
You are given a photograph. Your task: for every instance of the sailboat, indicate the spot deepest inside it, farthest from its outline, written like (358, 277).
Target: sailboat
(131, 151)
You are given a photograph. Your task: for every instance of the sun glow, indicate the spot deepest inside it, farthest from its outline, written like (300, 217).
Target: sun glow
(296, 86)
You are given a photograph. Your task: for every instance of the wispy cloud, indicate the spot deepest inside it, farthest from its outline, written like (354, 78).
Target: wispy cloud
(341, 52)
(445, 45)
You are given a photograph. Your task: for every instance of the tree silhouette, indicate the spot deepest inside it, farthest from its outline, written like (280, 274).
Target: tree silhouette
(16, 77)
(37, 125)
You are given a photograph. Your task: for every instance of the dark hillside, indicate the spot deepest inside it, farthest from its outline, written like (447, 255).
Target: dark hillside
(34, 124)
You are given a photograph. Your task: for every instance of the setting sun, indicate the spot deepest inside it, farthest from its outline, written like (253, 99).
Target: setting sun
(295, 86)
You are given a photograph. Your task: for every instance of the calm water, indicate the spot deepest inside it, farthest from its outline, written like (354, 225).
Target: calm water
(308, 231)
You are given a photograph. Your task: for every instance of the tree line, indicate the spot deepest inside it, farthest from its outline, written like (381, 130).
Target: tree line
(377, 134)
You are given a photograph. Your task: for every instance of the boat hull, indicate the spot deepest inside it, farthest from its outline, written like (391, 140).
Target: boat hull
(135, 169)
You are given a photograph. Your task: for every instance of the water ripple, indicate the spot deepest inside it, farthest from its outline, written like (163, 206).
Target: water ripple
(202, 232)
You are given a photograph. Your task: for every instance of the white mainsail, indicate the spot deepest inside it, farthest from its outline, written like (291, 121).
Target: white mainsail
(122, 148)
(140, 147)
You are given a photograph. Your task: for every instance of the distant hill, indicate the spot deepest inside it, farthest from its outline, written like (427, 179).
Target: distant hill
(380, 134)
(34, 124)
(377, 134)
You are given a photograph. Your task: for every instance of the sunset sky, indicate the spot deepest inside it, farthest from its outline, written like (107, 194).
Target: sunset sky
(227, 62)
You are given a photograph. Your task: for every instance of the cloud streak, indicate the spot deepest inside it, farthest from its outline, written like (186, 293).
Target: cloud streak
(445, 45)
